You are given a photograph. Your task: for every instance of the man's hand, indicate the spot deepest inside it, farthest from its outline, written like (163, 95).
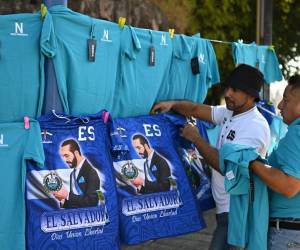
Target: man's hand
(61, 194)
(138, 182)
(162, 107)
(190, 132)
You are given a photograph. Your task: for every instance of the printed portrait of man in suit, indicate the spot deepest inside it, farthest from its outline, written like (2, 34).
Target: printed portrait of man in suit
(84, 179)
(156, 168)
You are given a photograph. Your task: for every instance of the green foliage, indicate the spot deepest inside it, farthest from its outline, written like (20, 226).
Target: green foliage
(229, 20)
(286, 33)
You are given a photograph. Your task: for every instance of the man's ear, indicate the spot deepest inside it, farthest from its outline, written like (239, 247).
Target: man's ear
(76, 153)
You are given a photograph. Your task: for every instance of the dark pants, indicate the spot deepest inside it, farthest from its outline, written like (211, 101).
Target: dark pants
(219, 240)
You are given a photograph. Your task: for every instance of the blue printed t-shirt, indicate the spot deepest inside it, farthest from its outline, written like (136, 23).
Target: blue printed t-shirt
(287, 158)
(23, 37)
(88, 217)
(17, 145)
(142, 84)
(198, 84)
(260, 56)
(161, 196)
(85, 87)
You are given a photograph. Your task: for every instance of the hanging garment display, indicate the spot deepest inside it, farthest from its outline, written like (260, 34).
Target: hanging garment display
(198, 171)
(181, 68)
(205, 71)
(262, 57)
(87, 61)
(144, 70)
(24, 41)
(155, 198)
(17, 144)
(72, 200)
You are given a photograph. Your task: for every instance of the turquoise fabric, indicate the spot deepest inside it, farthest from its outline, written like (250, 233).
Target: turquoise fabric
(180, 69)
(248, 221)
(278, 131)
(141, 85)
(85, 87)
(287, 158)
(17, 145)
(24, 40)
(259, 56)
(199, 84)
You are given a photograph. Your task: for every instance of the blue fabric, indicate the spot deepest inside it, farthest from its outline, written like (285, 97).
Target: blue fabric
(88, 218)
(25, 39)
(162, 207)
(268, 106)
(140, 84)
(17, 145)
(260, 56)
(213, 132)
(198, 85)
(286, 158)
(278, 131)
(283, 239)
(85, 87)
(198, 171)
(248, 221)
(180, 67)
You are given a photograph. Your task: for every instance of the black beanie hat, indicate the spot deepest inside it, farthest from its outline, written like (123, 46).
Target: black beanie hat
(247, 79)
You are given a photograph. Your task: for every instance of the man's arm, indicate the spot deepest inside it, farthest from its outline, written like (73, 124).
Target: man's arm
(185, 108)
(209, 153)
(162, 184)
(275, 179)
(89, 197)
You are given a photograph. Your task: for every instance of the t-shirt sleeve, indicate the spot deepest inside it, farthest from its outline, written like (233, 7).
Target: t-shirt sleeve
(272, 70)
(288, 153)
(218, 114)
(130, 43)
(34, 148)
(236, 53)
(48, 40)
(214, 76)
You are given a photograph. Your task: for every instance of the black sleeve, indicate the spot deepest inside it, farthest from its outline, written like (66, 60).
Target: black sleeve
(163, 183)
(89, 198)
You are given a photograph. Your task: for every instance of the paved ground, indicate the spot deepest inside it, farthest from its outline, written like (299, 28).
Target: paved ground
(194, 241)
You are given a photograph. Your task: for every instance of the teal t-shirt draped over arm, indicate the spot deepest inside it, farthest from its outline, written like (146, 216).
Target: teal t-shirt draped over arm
(248, 217)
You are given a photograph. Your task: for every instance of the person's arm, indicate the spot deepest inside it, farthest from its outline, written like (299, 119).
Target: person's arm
(185, 108)
(89, 197)
(162, 183)
(275, 179)
(209, 153)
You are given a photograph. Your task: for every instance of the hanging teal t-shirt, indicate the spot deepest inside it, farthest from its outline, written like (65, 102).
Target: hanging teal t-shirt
(248, 221)
(199, 84)
(180, 69)
(85, 86)
(142, 83)
(24, 39)
(287, 159)
(17, 145)
(127, 84)
(260, 56)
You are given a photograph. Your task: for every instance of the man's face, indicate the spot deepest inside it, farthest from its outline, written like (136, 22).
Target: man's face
(289, 106)
(140, 149)
(68, 156)
(235, 99)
